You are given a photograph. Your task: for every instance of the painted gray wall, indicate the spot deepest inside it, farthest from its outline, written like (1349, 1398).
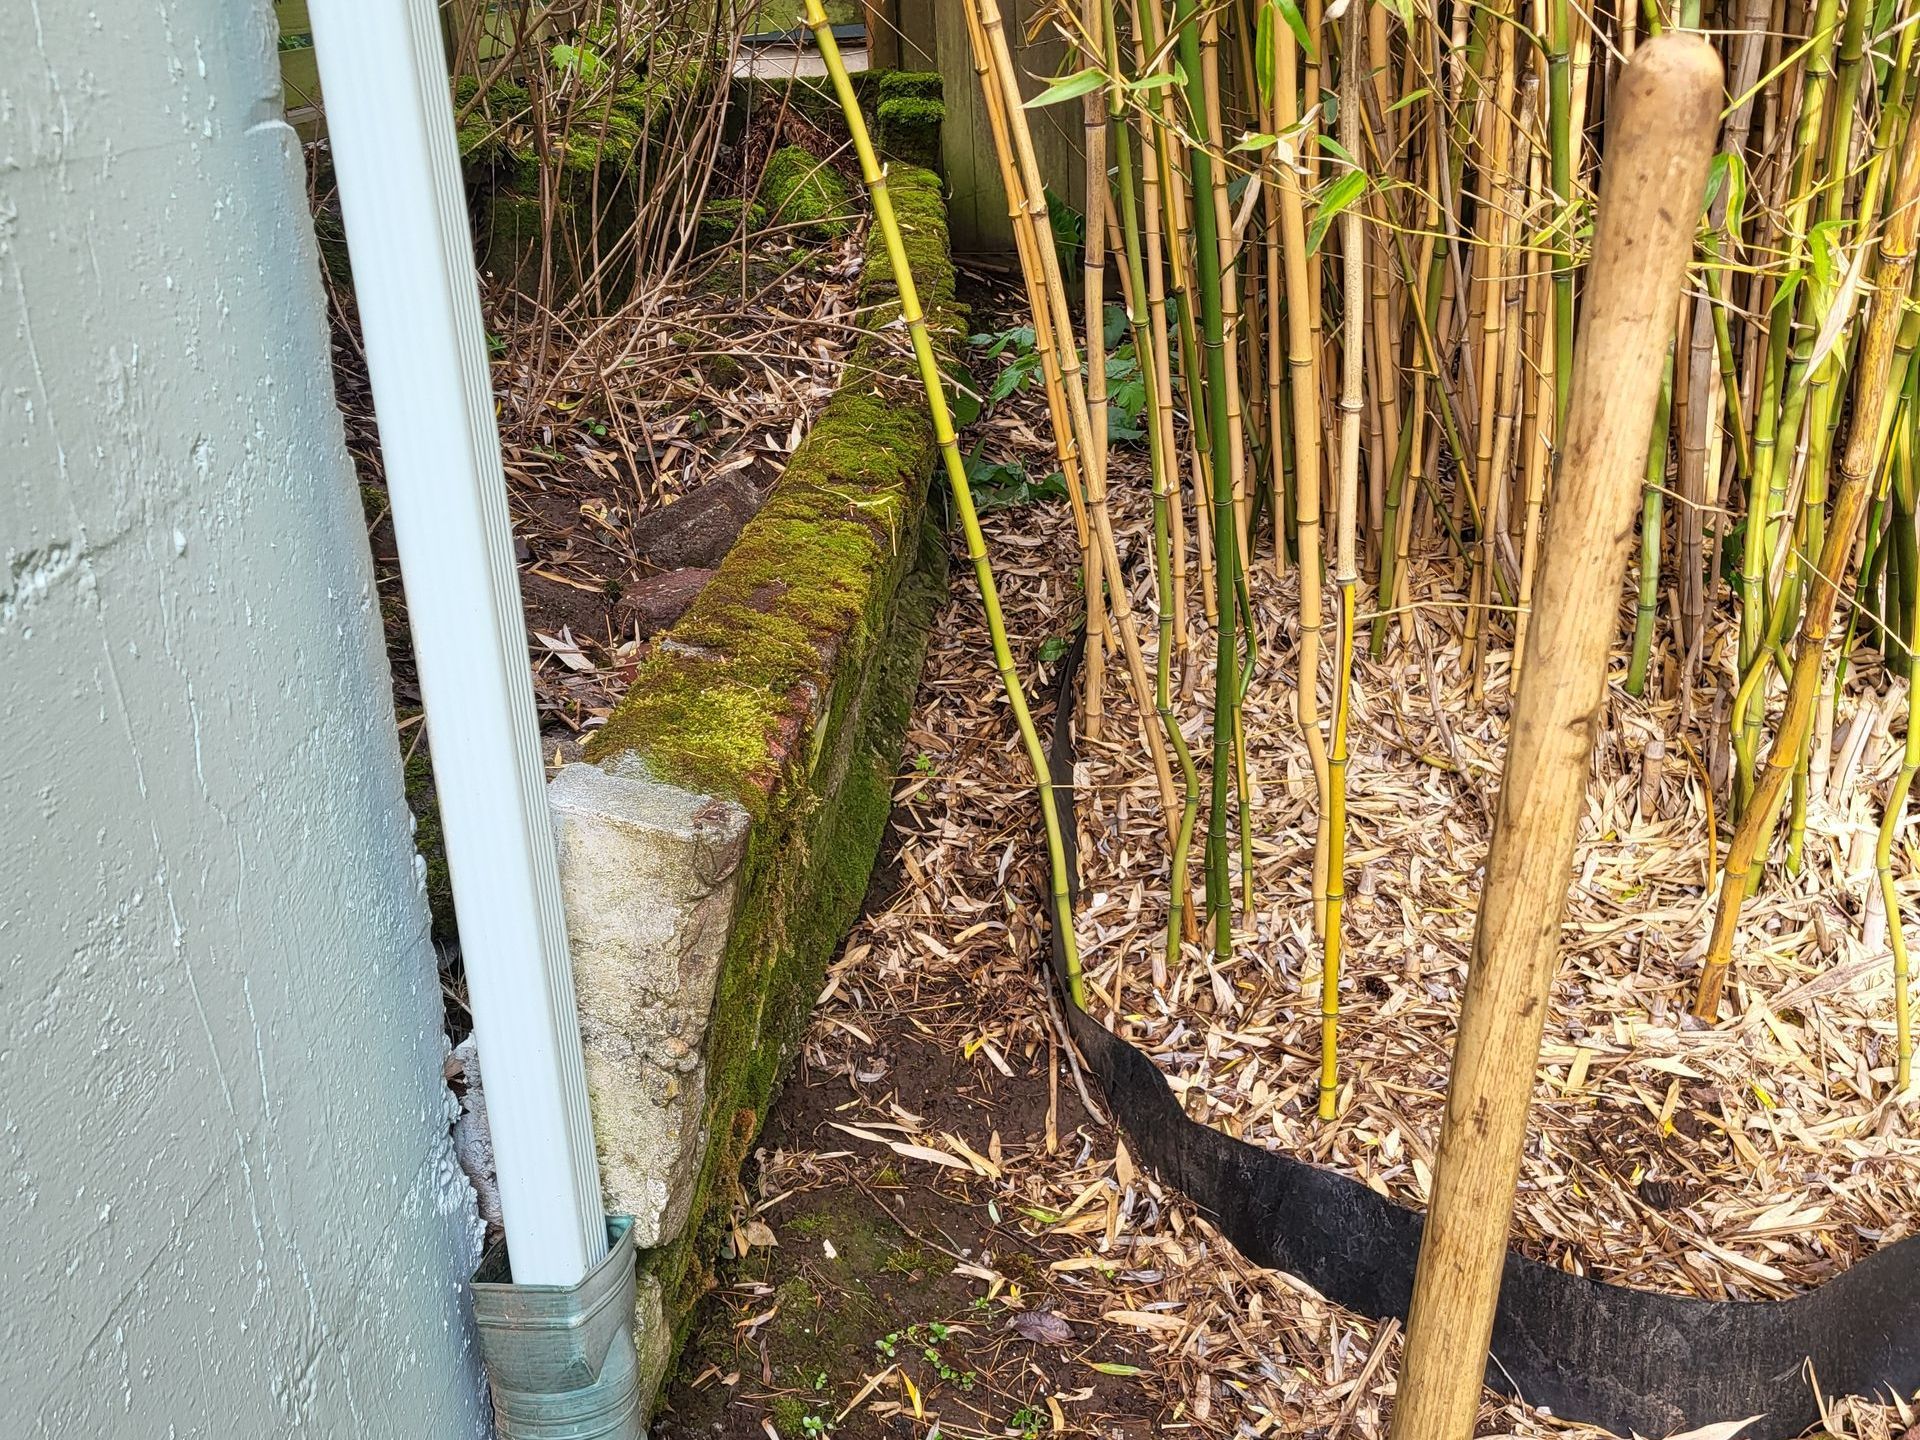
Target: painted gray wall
(228, 1207)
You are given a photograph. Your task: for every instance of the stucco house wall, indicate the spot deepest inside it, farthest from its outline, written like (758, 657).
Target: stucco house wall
(228, 1206)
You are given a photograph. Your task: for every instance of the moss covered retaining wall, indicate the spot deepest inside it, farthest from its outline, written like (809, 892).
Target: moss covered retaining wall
(716, 846)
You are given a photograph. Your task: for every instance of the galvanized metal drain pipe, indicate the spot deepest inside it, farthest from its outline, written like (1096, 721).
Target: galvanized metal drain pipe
(557, 1327)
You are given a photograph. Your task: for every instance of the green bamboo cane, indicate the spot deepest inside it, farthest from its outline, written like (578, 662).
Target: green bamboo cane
(1226, 692)
(1867, 593)
(1390, 522)
(1781, 427)
(1906, 546)
(1896, 103)
(1896, 578)
(1823, 378)
(1345, 576)
(1777, 413)
(1853, 34)
(1404, 459)
(1560, 176)
(1903, 461)
(1424, 304)
(931, 379)
(1894, 114)
(1729, 367)
(1161, 464)
(1650, 508)
(1858, 466)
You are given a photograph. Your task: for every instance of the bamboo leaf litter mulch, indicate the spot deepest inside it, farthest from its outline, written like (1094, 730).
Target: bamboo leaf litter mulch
(712, 378)
(716, 377)
(1740, 1162)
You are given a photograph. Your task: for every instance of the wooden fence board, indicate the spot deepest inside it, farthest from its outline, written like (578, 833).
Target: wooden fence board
(977, 209)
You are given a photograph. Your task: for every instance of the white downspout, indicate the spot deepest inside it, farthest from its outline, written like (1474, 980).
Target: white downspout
(390, 120)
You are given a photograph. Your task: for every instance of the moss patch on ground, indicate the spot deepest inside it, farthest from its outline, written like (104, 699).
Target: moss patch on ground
(832, 1313)
(787, 688)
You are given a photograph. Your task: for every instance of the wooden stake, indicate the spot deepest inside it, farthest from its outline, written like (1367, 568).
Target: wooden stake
(1664, 111)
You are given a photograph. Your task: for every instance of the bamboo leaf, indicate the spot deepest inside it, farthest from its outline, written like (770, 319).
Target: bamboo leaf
(1335, 148)
(1339, 195)
(1297, 23)
(1404, 9)
(1260, 141)
(1840, 309)
(1159, 80)
(1728, 172)
(1263, 54)
(1068, 87)
(1406, 100)
(1823, 249)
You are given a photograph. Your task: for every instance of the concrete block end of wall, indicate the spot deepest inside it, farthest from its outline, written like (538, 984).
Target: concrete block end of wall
(649, 874)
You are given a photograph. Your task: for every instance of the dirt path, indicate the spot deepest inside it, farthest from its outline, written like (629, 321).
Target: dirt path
(905, 1293)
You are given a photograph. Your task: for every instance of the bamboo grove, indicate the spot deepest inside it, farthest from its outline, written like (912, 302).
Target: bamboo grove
(1349, 240)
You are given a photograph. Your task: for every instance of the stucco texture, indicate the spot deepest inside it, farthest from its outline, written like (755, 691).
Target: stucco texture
(229, 1204)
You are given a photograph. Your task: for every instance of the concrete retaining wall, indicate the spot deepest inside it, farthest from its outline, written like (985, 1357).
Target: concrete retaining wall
(716, 847)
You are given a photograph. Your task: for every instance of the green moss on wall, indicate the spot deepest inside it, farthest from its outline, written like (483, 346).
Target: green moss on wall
(487, 152)
(597, 166)
(850, 490)
(809, 856)
(800, 189)
(787, 687)
(907, 84)
(923, 230)
(909, 129)
(429, 840)
(814, 99)
(508, 238)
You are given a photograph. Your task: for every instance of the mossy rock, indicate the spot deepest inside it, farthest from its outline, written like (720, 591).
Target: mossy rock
(598, 162)
(507, 226)
(908, 84)
(486, 153)
(800, 189)
(720, 221)
(909, 129)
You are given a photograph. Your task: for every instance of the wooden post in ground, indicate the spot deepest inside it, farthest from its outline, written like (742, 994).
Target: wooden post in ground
(1660, 134)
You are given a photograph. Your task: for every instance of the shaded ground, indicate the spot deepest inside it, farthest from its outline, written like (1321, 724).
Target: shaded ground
(881, 1294)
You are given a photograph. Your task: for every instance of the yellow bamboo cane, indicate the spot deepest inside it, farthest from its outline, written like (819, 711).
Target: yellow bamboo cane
(1856, 469)
(931, 379)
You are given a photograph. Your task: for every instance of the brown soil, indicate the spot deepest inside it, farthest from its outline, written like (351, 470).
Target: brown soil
(881, 1268)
